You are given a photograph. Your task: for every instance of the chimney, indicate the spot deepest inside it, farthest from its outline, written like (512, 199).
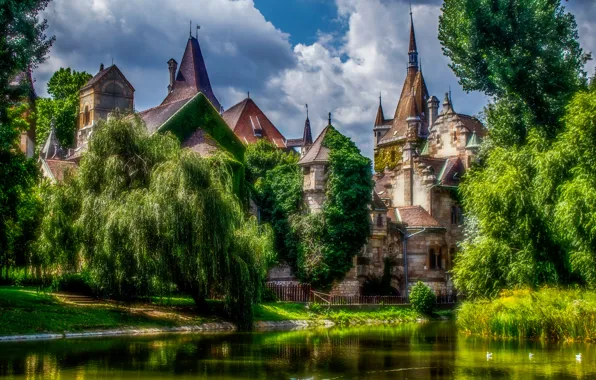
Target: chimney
(433, 110)
(101, 67)
(172, 66)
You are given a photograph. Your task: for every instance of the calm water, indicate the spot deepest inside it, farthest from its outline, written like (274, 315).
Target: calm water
(432, 351)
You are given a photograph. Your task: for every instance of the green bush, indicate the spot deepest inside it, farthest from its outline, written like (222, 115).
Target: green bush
(79, 283)
(422, 298)
(268, 295)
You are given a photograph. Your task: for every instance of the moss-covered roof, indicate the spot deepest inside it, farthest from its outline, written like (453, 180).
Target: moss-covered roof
(194, 114)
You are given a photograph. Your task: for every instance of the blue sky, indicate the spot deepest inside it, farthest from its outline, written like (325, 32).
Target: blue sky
(335, 55)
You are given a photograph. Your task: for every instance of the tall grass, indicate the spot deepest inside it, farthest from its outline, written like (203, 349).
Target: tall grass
(547, 314)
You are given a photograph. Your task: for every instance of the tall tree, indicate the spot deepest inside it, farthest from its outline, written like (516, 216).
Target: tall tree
(23, 45)
(523, 52)
(146, 213)
(526, 56)
(62, 107)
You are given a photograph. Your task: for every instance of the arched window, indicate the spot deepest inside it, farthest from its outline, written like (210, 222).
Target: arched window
(86, 116)
(453, 214)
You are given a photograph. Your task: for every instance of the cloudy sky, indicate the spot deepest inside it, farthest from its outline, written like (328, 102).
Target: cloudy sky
(335, 55)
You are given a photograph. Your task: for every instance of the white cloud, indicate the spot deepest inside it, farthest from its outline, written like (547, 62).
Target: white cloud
(342, 72)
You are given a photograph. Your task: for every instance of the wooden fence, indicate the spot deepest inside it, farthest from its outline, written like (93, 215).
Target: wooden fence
(303, 293)
(290, 292)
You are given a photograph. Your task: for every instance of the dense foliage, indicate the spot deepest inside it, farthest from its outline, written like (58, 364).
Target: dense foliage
(525, 53)
(422, 298)
(62, 107)
(345, 225)
(148, 214)
(320, 246)
(527, 222)
(23, 45)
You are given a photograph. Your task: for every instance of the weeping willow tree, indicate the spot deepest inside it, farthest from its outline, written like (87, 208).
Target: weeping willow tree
(151, 214)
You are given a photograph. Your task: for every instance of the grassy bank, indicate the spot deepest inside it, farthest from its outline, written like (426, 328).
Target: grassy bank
(549, 314)
(341, 316)
(25, 311)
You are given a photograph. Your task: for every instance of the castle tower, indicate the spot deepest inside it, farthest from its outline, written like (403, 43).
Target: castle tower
(192, 76)
(107, 91)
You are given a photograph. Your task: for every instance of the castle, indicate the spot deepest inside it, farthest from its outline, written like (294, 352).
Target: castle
(420, 156)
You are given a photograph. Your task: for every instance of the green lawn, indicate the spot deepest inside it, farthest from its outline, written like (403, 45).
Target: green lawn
(280, 311)
(25, 311)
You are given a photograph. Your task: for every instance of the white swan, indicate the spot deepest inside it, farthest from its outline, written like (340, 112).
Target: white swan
(578, 357)
(489, 355)
(531, 355)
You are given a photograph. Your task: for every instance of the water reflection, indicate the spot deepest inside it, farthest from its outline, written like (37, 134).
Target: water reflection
(412, 351)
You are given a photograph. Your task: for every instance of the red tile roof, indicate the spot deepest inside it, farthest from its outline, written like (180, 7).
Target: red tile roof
(58, 168)
(416, 217)
(192, 77)
(250, 124)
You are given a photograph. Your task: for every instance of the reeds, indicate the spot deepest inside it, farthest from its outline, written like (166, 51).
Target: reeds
(547, 314)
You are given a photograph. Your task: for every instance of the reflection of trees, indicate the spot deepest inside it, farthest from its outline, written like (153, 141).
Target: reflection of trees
(406, 351)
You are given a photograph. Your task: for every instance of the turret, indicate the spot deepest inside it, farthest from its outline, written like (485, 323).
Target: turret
(433, 110)
(172, 67)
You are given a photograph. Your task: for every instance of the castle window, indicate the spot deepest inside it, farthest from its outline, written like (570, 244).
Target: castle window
(379, 220)
(454, 136)
(457, 215)
(434, 258)
(392, 156)
(86, 116)
(451, 257)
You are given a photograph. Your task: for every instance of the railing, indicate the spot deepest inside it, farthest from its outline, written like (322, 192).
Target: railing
(290, 292)
(303, 293)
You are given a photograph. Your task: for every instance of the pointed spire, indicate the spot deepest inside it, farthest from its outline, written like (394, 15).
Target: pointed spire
(192, 76)
(413, 49)
(380, 119)
(447, 104)
(307, 135)
(329, 118)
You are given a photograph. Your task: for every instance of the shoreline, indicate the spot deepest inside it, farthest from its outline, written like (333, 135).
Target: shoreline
(209, 327)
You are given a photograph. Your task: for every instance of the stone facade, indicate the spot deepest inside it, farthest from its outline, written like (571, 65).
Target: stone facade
(420, 157)
(106, 92)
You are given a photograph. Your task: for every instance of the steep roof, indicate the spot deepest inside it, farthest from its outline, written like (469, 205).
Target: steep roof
(412, 48)
(184, 118)
(192, 76)
(474, 142)
(250, 124)
(380, 119)
(414, 95)
(318, 153)
(103, 73)
(416, 217)
(52, 148)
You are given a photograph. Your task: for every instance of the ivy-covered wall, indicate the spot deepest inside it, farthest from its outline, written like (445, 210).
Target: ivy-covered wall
(387, 157)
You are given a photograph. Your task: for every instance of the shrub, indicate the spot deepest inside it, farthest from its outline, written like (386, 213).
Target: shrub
(422, 298)
(268, 295)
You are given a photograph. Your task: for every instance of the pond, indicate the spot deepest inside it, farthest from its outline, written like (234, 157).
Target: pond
(412, 351)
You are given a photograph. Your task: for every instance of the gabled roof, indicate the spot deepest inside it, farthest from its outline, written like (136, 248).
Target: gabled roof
(97, 78)
(318, 153)
(184, 118)
(192, 76)
(251, 124)
(416, 217)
